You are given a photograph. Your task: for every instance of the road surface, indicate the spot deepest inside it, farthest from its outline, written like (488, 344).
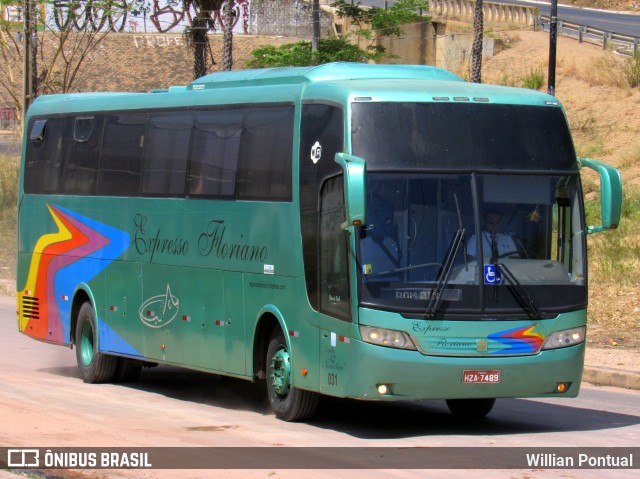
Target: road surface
(44, 404)
(614, 22)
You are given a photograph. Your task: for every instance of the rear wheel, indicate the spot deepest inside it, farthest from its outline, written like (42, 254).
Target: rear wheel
(471, 408)
(94, 366)
(288, 403)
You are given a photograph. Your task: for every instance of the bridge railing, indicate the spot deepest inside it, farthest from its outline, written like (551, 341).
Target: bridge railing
(493, 12)
(500, 13)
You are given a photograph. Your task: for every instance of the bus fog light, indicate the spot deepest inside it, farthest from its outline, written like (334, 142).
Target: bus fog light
(565, 338)
(562, 387)
(386, 337)
(383, 389)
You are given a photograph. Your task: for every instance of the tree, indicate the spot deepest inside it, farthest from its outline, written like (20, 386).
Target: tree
(301, 54)
(371, 23)
(196, 35)
(476, 48)
(63, 48)
(375, 22)
(229, 18)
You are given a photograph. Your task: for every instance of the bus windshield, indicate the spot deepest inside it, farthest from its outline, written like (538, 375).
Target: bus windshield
(486, 242)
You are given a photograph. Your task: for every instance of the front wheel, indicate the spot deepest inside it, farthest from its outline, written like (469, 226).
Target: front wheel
(288, 402)
(94, 366)
(471, 408)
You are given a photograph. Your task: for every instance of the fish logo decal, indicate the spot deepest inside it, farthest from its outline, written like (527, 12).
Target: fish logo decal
(158, 311)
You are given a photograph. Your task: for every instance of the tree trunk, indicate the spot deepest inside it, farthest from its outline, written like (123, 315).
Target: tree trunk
(200, 44)
(229, 18)
(476, 49)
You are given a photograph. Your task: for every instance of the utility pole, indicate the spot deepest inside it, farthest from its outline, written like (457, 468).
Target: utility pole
(553, 40)
(316, 27)
(29, 47)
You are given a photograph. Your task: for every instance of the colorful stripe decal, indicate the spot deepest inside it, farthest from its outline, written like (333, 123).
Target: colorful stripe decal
(75, 254)
(518, 340)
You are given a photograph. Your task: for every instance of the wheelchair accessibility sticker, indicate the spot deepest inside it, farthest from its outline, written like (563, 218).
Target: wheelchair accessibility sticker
(492, 274)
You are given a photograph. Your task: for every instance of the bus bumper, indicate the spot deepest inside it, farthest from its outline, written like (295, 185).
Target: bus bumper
(410, 375)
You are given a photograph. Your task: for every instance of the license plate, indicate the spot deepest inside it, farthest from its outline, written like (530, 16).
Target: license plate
(481, 376)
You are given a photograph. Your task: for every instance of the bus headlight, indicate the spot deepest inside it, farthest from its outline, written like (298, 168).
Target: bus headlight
(386, 337)
(565, 338)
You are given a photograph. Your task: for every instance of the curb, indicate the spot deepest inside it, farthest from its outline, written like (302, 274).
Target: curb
(619, 378)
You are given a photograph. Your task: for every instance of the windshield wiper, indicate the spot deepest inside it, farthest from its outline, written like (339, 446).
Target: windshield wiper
(445, 273)
(520, 293)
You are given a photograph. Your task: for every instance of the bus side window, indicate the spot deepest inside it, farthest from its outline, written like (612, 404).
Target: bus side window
(334, 270)
(213, 161)
(264, 170)
(42, 165)
(166, 154)
(81, 155)
(121, 159)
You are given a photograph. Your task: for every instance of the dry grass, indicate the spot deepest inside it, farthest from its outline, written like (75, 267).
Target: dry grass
(8, 205)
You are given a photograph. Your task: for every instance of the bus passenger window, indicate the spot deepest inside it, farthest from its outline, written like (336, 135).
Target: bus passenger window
(213, 161)
(42, 166)
(81, 155)
(264, 171)
(121, 159)
(166, 153)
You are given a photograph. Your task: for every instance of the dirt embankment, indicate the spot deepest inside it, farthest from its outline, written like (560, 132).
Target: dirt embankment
(604, 114)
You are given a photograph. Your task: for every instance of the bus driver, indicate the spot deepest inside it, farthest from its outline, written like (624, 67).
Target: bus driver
(494, 243)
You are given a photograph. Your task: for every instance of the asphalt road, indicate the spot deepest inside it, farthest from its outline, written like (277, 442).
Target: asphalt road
(624, 24)
(44, 404)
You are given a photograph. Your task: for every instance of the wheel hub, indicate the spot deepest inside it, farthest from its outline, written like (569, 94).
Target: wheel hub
(281, 372)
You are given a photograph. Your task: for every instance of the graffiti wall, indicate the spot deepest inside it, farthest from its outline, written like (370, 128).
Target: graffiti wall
(137, 16)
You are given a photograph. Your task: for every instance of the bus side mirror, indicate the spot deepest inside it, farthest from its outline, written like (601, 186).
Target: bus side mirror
(354, 188)
(610, 194)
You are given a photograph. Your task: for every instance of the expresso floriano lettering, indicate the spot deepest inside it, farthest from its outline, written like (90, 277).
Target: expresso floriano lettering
(213, 243)
(157, 243)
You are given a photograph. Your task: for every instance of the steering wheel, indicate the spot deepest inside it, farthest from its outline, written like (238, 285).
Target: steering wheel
(510, 254)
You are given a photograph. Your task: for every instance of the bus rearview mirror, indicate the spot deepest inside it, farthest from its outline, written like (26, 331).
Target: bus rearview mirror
(354, 170)
(610, 194)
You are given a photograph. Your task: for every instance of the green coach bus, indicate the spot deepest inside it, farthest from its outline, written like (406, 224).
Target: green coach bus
(378, 232)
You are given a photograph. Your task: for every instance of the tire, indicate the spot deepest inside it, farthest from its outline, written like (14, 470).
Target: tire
(471, 408)
(94, 367)
(127, 370)
(288, 403)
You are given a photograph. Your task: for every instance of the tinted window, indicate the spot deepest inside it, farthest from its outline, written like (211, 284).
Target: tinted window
(265, 154)
(214, 153)
(166, 154)
(121, 160)
(334, 265)
(462, 135)
(82, 155)
(321, 135)
(42, 168)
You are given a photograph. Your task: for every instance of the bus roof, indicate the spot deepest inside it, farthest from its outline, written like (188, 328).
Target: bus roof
(325, 72)
(340, 82)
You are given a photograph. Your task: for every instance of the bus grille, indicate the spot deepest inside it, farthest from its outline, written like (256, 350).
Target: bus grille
(30, 307)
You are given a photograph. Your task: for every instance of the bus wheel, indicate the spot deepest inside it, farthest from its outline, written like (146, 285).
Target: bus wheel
(289, 403)
(471, 408)
(94, 366)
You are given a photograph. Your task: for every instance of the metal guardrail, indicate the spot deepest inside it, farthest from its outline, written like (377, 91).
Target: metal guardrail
(502, 13)
(625, 44)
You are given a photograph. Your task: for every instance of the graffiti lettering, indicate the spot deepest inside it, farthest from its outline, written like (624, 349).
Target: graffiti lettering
(157, 41)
